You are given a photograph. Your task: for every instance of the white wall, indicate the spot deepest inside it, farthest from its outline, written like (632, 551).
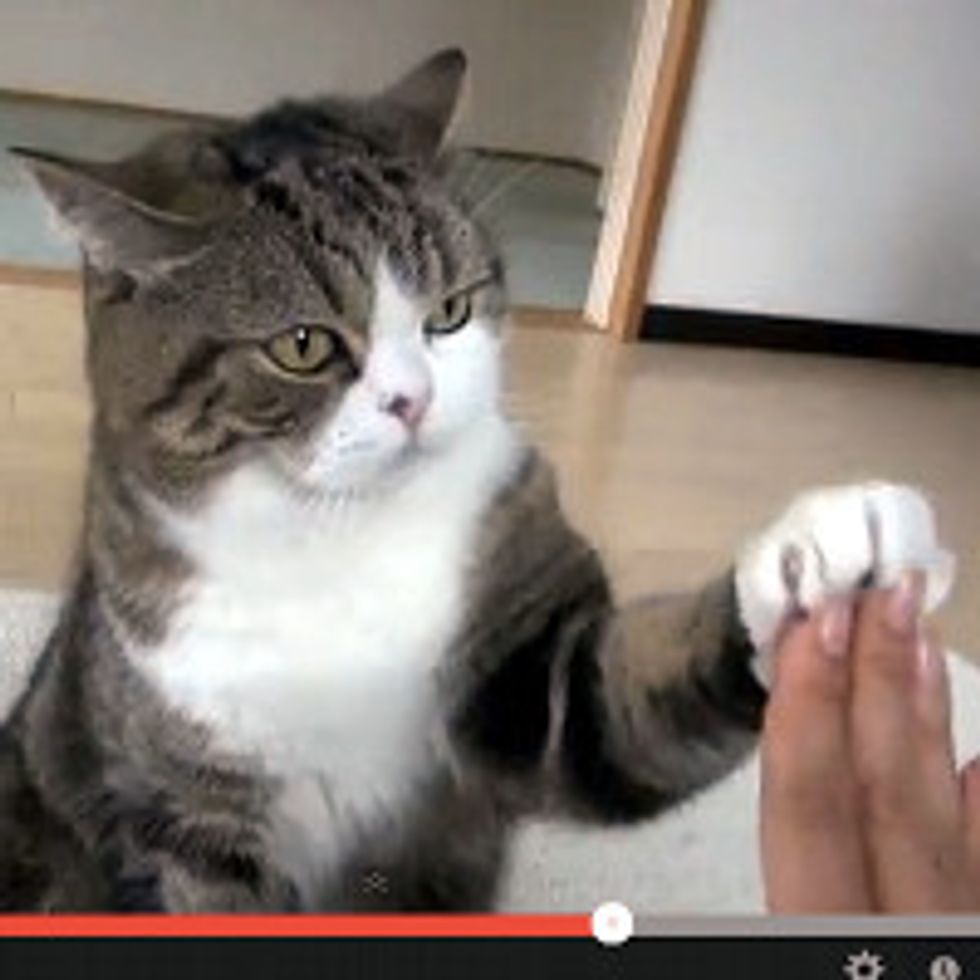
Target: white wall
(548, 75)
(830, 165)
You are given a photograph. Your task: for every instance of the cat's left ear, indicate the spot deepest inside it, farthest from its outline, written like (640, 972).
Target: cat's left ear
(424, 102)
(115, 229)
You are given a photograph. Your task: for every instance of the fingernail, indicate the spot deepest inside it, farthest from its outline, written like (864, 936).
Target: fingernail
(904, 606)
(835, 627)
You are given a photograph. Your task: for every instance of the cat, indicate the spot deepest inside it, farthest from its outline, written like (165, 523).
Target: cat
(330, 636)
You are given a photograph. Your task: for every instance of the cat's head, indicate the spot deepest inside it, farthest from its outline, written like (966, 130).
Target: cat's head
(299, 290)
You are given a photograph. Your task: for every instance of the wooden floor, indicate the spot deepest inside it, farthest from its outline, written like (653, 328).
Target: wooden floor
(668, 455)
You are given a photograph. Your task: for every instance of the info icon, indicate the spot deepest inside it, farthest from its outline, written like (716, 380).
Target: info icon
(945, 968)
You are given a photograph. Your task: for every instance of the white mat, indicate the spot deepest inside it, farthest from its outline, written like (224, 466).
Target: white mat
(699, 859)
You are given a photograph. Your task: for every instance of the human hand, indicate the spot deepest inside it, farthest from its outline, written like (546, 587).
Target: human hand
(863, 809)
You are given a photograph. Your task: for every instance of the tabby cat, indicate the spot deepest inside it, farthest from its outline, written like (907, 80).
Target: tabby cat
(329, 635)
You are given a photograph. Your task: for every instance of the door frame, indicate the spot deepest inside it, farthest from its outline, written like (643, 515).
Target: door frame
(639, 178)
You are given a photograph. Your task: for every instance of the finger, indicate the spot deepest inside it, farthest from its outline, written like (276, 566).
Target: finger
(811, 841)
(903, 756)
(883, 674)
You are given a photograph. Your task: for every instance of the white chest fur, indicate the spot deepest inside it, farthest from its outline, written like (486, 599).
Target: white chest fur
(310, 639)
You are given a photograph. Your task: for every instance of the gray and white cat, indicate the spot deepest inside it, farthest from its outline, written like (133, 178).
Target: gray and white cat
(330, 636)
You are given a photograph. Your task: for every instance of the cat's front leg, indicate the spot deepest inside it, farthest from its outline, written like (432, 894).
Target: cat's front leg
(665, 695)
(831, 542)
(673, 696)
(620, 712)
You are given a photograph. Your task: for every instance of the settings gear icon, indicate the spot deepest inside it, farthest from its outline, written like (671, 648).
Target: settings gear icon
(864, 966)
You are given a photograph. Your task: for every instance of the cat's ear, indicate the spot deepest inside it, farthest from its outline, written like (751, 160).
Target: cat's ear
(425, 101)
(115, 229)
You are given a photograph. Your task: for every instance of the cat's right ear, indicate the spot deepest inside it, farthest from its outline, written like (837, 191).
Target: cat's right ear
(425, 101)
(115, 230)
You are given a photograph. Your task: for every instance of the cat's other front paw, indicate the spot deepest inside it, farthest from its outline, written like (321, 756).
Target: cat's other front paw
(834, 541)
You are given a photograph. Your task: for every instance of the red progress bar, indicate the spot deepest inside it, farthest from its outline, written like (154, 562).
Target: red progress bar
(294, 926)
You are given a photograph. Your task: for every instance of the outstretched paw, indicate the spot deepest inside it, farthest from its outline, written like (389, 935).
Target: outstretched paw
(832, 542)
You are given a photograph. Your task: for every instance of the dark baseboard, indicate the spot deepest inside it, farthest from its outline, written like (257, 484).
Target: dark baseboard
(689, 325)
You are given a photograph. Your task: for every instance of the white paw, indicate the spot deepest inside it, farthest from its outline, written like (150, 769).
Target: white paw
(834, 541)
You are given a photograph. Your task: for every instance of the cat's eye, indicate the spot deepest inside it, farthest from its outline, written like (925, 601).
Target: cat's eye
(302, 350)
(452, 314)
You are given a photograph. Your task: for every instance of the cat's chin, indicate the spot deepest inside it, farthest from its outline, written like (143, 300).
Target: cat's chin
(372, 480)
(374, 476)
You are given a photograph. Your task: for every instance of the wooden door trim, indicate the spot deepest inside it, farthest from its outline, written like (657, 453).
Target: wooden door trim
(661, 80)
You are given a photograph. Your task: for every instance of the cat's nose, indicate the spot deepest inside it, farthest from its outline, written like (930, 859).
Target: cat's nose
(409, 409)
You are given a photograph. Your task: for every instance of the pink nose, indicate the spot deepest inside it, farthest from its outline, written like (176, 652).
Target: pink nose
(408, 409)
